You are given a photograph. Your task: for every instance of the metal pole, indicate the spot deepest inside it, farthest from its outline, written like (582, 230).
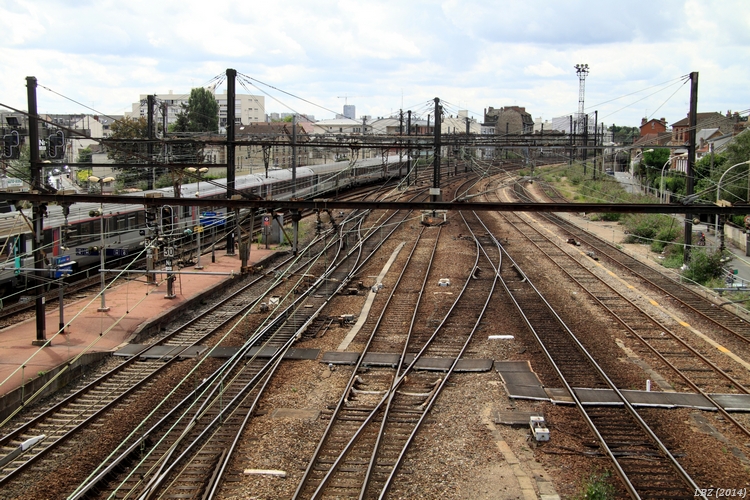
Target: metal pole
(150, 100)
(37, 213)
(692, 121)
(296, 216)
(570, 140)
(231, 225)
(103, 307)
(199, 226)
(436, 162)
(61, 285)
(198, 235)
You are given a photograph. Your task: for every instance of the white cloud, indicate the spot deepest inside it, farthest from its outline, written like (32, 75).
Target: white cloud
(543, 69)
(471, 53)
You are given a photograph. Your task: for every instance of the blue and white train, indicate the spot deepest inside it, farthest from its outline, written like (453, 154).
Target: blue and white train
(76, 242)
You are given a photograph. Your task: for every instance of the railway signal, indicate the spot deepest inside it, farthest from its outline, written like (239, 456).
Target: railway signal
(56, 146)
(11, 143)
(167, 220)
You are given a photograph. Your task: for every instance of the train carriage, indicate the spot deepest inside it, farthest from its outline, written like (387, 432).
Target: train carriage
(77, 235)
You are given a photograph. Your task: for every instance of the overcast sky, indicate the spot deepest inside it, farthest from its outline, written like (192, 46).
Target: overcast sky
(383, 54)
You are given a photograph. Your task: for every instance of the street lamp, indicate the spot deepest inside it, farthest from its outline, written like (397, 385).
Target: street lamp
(663, 198)
(718, 190)
(102, 251)
(634, 159)
(199, 229)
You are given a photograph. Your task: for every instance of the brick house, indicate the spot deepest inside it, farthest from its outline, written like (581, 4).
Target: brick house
(703, 121)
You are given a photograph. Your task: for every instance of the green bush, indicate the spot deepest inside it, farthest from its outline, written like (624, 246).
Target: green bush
(738, 220)
(610, 216)
(704, 265)
(664, 237)
(642, 228)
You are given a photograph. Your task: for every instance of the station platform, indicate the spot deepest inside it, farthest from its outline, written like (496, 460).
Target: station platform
(136, 310)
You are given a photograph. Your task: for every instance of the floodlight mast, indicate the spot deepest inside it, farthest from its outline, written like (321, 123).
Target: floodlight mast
(582, 70)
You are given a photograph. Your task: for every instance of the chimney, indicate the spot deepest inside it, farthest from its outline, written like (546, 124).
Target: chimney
(643, 121)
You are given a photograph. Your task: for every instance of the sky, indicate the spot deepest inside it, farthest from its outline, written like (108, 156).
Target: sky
(313, 56)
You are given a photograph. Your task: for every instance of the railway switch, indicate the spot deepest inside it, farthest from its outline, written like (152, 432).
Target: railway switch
(539, 429)
(346, 319)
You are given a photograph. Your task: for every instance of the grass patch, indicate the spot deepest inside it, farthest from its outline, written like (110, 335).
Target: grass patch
(673, 256)
(644, 228)
(597, 487)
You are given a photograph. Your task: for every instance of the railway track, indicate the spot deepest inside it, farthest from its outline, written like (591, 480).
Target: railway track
(644, 464)
(702, 370)
(384, 405)
(367, 386)
(721, 318)
(68, 417)
(193, 445)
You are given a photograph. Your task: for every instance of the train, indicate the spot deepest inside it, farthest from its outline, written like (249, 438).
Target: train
(72, 241)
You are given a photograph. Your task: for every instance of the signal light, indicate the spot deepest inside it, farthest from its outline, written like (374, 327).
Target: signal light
(11, 143)
(56, 146)
(95, 213)
(167, 219)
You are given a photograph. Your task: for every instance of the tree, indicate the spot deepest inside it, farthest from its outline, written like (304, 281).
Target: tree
(652, 163)
(200, 114)
(84, 155)
(128, 128)
(623, 134)
(739, 149)
(135, 152)
(734, 187)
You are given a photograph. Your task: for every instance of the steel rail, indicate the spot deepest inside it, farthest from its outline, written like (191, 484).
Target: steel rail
(689, 484)
(438, 390)
(297, 303)
(213, 381)
(175, 335)
(648, 318)
(221, 467)
(357, 366)
(385, 401)
(720, 317)
(383, 408)
(40, 452)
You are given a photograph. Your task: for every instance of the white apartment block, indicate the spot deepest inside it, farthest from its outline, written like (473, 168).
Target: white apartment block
(247, 108)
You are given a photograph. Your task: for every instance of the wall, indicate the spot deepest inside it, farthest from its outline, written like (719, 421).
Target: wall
(736, 236)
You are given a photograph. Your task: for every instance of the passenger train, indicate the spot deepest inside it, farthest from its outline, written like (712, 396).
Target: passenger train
(72, 244)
